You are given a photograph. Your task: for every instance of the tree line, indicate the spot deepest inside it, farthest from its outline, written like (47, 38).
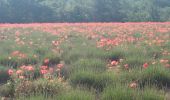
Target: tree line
(27, 11)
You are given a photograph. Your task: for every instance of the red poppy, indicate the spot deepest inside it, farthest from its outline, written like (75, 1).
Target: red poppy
(145, 65)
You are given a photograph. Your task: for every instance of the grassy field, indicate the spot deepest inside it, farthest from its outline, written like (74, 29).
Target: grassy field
(85, 61)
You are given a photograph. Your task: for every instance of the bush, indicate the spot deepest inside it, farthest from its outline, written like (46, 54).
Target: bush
(71, 56)
(15, 62)
(7, 90)
(135, 61)
(42, 86)
(130, 75)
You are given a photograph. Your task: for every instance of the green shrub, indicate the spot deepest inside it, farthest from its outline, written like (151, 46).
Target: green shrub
(130, 75)
(7, 90)
(69, 95)
(154, 52)
(95, 65)
(41, 86)
(119, 92)
(9, 62)
(92, 80)
(28, 61)
(76, 95)
(72, 56)
(34, 97)
(155, 74)
(15, 62)
(115, 54)
(135, 61)
(3, 74)
(53, 59)
(41, 51)
(152, 94)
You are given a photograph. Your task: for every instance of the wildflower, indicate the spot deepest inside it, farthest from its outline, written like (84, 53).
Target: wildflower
(163, 61)
(145, 65)
(10, 71)
(42, 71)
(19, 72)
(23, 67)
(51, 70)
(21, 77)
(44, 67)
(60, 66)
(114, 63)
(46, 61)
(15, 53)
(29, 68)
(126, 66)
(133, 85)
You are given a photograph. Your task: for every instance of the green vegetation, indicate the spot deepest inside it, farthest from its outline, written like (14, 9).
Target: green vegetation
(26, 11)
(36, 65)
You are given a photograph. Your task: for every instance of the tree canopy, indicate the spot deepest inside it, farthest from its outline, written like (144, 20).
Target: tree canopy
(27, 11)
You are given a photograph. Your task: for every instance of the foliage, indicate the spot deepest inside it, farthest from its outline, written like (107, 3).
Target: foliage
(18, 11)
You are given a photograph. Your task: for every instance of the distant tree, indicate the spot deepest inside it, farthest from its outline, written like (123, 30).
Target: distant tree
(23, 11)
(16, 11)
(107, 10)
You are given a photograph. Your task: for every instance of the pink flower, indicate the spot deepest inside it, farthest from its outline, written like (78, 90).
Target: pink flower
(114, 63)
(23, 67)
(51, 70)
(21, 77)
(126, 66)
(164, 61)
(10, 71)
(29, 68)
(60, 66)
(42, 71)
(19, 72)
(44, 67)
(15, 53)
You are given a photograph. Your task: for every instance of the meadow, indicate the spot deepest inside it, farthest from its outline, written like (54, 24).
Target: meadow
(85, 61)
